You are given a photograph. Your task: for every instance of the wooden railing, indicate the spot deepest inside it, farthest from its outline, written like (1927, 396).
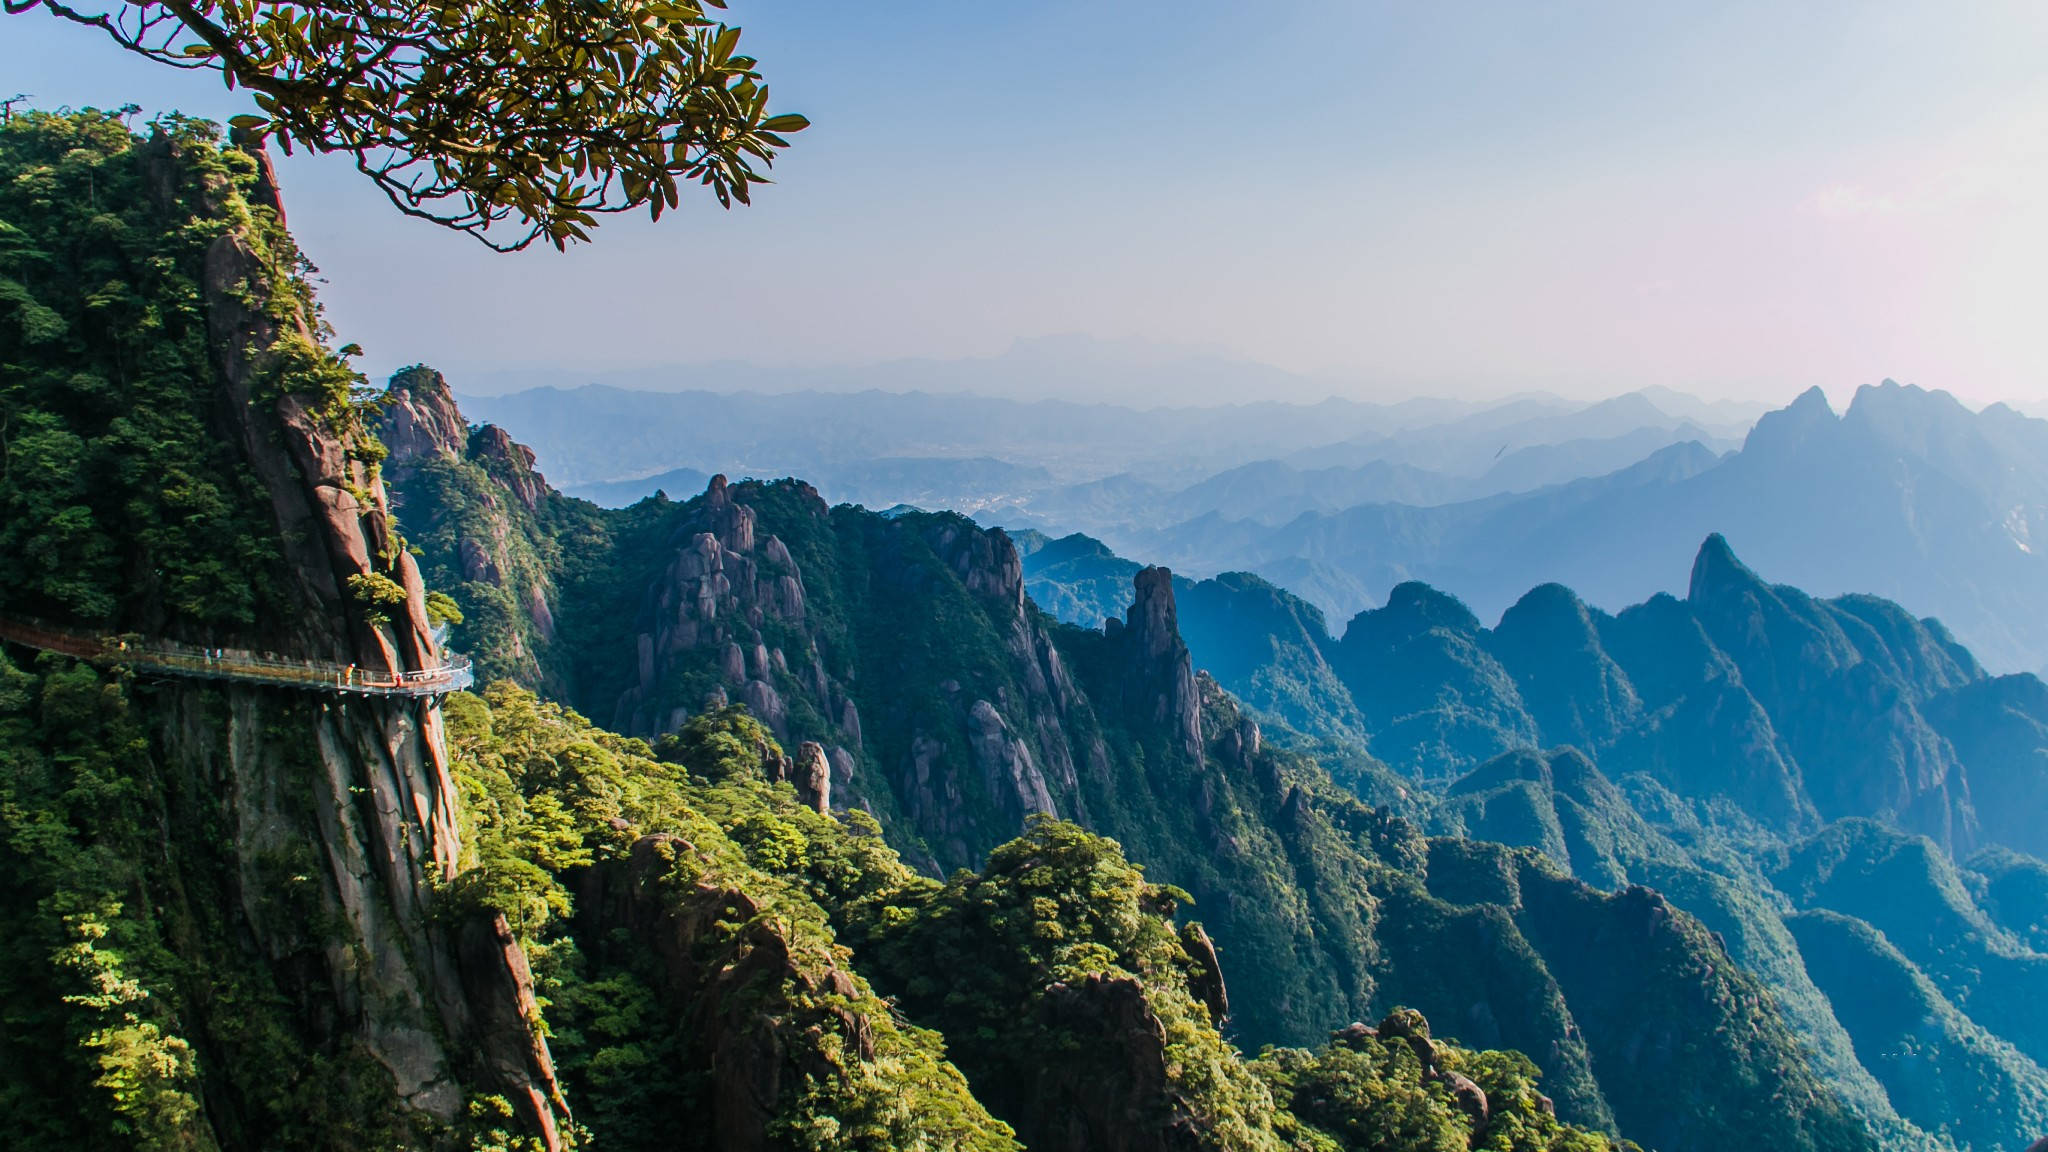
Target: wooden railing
(170, 658)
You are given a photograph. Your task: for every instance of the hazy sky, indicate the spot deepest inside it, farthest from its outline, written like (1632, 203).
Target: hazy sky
(1735, 199)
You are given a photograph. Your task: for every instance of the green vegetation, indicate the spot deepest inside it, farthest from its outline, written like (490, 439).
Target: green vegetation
(2014, 891)
(206, 949)
(1052, 974)
(78, 972)
(118, 503)
(1940, 1069)
(166, 948)
(1906, 888)
(1699, 747)
(128, 994)
(548, 798)
(490, 559)
(1075, 578)
(1370, 1090)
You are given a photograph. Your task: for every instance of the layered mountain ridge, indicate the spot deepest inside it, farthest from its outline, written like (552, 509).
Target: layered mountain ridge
(903, 648)
(1906, 495)
(1791, 709)
(1745, 722)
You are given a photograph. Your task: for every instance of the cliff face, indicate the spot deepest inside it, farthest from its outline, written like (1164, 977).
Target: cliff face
(749, 602)
(282, 847)
(448, 1009)
(1161, 678)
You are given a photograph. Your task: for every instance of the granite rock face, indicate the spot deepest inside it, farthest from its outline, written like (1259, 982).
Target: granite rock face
(1161, 681)
(420, 422)
(446, 1008)
(498, 538)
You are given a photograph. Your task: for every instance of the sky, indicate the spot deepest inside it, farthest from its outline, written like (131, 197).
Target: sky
(1385, 199)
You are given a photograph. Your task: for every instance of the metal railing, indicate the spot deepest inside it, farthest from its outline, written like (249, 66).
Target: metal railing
(171, 658)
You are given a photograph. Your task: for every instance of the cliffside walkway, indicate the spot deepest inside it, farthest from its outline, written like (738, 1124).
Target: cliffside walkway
(169, 658)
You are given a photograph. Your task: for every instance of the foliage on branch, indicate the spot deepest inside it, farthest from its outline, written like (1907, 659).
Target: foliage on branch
(539, 117)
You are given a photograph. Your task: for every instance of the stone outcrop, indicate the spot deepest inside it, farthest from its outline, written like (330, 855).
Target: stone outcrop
(1205, 983)
(1160, 683)
(420, 422)
(812, 775)
(1007, 771)
(732, 599)
(1410, 1026)
(713, 598)
(510, 461)
(492, 537)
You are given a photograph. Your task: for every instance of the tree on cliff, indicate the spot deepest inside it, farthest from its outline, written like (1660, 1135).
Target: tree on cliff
(472, 113)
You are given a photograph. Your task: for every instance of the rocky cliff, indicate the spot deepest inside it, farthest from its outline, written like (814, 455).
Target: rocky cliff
(264, 863)
(487, 525)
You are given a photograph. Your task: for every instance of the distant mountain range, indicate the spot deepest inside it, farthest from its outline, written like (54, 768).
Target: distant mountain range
(939, 699)
(1906, 495)
(877, 852)
(1071, 367)
(601, 433)
(1095, 467)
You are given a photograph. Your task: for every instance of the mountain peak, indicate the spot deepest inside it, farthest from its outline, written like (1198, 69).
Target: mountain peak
(1786, 427)
(1717, 567)
(1152, 620)
(1161, 675)
(1548, 616)
(1813, 399)
(420, 420)
(1423, 607)
(1907, 407)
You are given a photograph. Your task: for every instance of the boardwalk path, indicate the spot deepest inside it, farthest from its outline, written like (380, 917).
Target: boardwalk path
(168, 658)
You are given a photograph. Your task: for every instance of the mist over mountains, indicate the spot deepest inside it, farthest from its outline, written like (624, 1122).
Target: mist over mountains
(1071, 367)
(1906, 494)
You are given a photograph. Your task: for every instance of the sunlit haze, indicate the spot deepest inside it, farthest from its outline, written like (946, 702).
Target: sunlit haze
(1381, 199)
